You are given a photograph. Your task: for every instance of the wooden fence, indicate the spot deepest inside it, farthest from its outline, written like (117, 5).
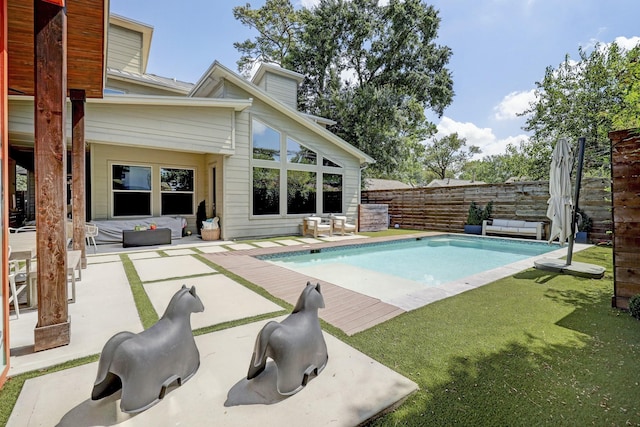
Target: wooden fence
(625, 172)
(446, 208)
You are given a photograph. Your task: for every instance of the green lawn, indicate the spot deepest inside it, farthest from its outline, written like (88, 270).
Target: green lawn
(535, 348)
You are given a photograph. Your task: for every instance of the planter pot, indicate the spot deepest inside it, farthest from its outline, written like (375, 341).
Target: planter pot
(581, 237)
(473, 229)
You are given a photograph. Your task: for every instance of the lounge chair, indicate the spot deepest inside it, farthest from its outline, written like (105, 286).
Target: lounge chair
(341, 225)
(313, 225)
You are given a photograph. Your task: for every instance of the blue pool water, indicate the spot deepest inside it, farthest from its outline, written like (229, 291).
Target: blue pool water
(431, 261)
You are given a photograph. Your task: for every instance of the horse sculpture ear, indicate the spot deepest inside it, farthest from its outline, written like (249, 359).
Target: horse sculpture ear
(318, 287)
(192, 291)
(184, 287)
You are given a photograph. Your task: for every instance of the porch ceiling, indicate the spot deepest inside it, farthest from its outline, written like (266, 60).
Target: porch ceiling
(86, 43)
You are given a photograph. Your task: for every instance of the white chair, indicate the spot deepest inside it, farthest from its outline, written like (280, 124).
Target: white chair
(12, 273)
(341, 225)
(313, 225)
(90, 233)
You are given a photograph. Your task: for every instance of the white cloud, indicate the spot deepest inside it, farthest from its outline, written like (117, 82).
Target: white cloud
(482, 137)
(512, 104)
(627, 43)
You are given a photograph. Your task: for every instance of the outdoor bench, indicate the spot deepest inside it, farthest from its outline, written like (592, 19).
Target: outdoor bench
(513, 227)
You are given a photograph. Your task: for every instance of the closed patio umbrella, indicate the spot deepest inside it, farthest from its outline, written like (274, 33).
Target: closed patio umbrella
(560, 202)
(561, 213)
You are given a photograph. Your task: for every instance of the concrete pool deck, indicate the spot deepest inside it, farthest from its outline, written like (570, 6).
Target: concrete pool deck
(352, 389)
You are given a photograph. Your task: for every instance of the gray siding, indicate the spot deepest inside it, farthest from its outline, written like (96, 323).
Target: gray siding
(194, 129)
(125, 49)
(282, 88)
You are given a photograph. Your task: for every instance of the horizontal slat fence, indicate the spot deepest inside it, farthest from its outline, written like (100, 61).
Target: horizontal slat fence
(625, 172)
(446, 208)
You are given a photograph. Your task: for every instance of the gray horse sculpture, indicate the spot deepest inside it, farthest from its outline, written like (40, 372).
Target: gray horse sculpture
(145, 364)
(296, 345)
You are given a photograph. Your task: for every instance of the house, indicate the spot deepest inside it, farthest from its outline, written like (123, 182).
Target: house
(372, 184)
(157, 147)
(451, 182)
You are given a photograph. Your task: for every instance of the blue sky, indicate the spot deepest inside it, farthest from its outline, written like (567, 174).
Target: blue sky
(500, 49)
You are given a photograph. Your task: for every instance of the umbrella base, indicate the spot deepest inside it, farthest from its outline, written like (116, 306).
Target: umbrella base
(579, 269)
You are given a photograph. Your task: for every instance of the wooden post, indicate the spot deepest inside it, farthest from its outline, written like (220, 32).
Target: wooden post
(78, 198)
(50, 37)
(4, 238)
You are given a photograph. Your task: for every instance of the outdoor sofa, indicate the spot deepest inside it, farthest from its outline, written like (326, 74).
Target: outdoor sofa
(513, 227)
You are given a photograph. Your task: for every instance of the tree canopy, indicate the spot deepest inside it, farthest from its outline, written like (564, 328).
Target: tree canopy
(373, 69)
(445, 157)
(589, 97)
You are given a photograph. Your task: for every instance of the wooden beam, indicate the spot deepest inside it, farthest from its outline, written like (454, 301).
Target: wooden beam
(4, 143)
(50, 27)
(78, 99)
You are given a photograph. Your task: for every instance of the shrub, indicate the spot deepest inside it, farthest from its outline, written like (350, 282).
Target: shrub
(584, 221)
(478, 214)
(634, 306)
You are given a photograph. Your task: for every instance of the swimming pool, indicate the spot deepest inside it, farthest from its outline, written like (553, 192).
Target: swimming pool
(406, 272)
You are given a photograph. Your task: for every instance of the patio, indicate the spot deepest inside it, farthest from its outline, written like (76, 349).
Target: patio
(105, 306)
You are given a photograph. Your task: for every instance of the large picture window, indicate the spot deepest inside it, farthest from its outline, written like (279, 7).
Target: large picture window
(282, 164)
(266, 191)
(176, 191)
(331, 193)
(266, 142)
(301, 192)
(298, 153)
(131, 186)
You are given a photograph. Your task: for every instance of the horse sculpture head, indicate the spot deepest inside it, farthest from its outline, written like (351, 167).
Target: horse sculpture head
(183, 302)
(310, 298)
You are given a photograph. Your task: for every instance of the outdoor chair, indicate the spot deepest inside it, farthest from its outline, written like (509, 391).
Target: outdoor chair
(90, 233)
(313, 225)
(341, 225)
(15, 292)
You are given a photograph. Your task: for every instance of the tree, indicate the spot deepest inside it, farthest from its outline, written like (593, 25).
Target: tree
(446, 157)
(584, 98)
(374, 70)
(277, 24)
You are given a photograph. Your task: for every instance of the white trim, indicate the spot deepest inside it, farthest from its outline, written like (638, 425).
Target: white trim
(170, 101)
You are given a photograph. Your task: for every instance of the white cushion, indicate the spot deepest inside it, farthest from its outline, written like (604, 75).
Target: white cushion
(515, 223)
(531, 224)
(527, 230)
(313, 218)
(500, 222)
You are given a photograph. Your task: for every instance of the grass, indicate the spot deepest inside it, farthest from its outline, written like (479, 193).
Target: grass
(534, 348)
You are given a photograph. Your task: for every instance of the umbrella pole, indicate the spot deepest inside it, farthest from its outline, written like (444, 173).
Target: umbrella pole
(581, 142)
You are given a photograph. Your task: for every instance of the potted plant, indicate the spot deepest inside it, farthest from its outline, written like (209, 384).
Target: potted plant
(476, 215)
(584, 226)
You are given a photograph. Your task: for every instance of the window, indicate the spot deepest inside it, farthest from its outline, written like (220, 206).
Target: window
(266, 142)
(266, 191)
(301, 192)
(279, 161)
(297, 153)
(176, 191)
(331, 193)
(131, 187)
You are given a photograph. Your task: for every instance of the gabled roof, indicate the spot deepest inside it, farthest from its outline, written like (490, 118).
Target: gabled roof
(218, 72)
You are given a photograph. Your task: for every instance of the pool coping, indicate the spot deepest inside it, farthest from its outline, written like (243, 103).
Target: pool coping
(350, 311)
